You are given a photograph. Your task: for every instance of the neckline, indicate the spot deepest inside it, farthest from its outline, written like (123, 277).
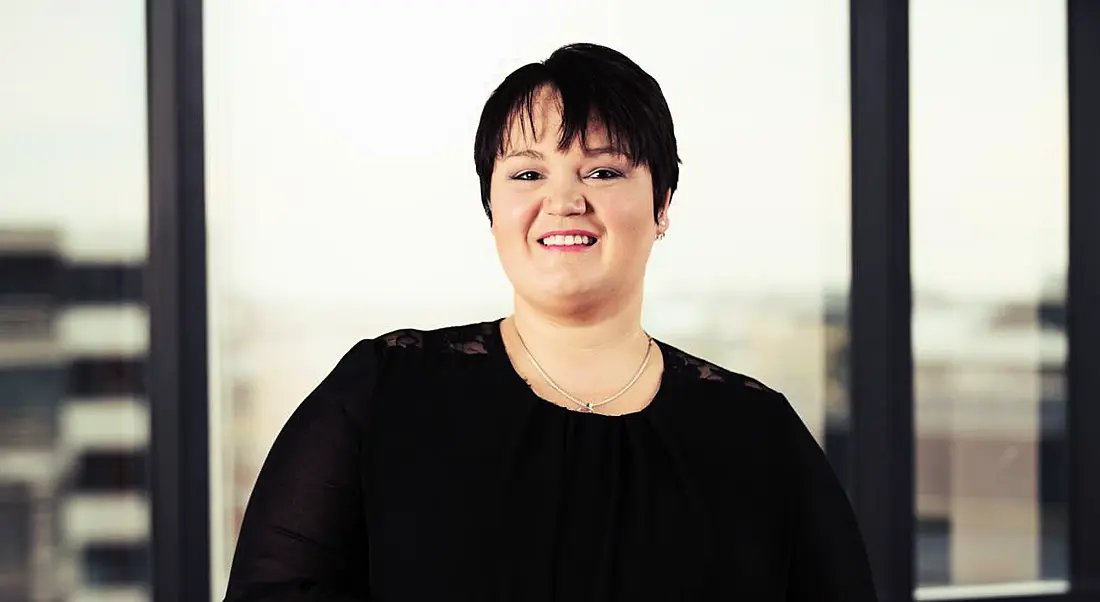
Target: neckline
(516, 382)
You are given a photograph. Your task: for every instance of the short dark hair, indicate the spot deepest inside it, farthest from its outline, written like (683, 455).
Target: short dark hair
(593, 82)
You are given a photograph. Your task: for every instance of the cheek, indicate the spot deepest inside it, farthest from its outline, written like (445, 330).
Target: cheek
(506, 243)
(629, 210)
(632, 224)
(512, 216)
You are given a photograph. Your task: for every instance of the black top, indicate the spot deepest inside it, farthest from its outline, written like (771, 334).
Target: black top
(423, 468)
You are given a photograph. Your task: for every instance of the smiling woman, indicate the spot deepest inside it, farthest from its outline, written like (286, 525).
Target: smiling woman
(559, 453)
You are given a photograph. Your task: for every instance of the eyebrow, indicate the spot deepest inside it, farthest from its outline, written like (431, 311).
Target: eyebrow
(591, 152)
(528, 152)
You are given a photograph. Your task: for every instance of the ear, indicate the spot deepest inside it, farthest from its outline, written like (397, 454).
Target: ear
(662, 215)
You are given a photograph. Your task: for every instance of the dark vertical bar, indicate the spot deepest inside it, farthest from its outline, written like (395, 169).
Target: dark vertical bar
(880, 319)
(1083, 298)
(176, 290)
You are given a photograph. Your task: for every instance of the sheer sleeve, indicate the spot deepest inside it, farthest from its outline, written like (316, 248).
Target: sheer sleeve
(303, 537)
(829, 561)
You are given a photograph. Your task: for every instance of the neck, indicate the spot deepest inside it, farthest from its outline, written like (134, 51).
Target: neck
(590, 355)
(611, 329)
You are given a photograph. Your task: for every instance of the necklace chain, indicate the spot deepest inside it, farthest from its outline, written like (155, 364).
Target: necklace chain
(587, 406)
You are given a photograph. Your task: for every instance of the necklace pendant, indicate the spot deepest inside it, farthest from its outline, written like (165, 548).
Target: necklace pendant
(587, 407)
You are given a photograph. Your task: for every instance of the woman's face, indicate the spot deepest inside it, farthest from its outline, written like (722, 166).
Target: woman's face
(573, 228)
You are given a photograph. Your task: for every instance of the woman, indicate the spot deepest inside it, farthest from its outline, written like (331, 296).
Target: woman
(560, 453)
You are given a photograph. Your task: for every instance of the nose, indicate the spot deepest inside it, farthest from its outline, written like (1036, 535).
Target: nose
(566, 200)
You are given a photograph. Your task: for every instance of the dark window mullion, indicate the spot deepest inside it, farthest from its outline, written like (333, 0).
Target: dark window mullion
(175, 287)
(880, 305)
(1083, 298)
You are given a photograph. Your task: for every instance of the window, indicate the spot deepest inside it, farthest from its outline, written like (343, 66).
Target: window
(295, 282)
(73, 198)
(95, 377)
(16, 546)
(28, 276)
(989, 256)
(102, 283)
(29, 399)
(115, 564)
(111, 471)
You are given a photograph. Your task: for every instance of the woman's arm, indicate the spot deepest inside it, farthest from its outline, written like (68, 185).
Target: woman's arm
(829, 561)
(304, 537)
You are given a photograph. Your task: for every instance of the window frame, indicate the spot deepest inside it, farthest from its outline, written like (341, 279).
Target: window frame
(880, 329)
(881, 297)
(175, 290)
(1083, 297)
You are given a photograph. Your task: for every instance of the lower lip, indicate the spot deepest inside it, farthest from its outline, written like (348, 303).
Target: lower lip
(568, 248)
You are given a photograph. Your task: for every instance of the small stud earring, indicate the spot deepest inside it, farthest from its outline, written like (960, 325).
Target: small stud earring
(660, 235)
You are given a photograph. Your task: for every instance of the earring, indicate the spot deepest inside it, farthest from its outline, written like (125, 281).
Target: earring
(660, 235)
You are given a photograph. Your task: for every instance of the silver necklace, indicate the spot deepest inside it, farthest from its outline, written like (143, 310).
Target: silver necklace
(587, 406)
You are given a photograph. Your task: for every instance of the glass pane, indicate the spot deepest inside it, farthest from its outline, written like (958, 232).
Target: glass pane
(327, 150)
(989, 225)
(74, 433)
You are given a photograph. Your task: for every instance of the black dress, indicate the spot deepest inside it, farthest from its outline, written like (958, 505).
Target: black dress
(423, 468)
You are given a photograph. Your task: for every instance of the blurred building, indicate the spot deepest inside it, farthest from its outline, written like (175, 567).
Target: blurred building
(990, 449)
(73, 423)
(32, 369)
(990, 419)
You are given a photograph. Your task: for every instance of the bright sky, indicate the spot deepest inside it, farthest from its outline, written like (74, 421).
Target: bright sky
(72, 122)
(340, 134)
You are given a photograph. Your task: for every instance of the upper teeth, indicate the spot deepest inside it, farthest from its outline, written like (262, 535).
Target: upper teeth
(560, 240)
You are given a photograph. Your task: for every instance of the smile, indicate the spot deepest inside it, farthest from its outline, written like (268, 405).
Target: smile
(563, 241)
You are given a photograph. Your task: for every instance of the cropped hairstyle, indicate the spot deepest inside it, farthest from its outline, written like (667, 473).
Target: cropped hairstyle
(593, 83)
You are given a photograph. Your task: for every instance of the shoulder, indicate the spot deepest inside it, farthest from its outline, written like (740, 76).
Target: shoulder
(709, 379)
(371, 358)
(726, 397)
(404, 357)
(737, 407)
(465, 339)
(415, 352)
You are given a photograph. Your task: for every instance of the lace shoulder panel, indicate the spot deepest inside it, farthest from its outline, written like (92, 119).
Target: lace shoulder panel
(471, 339)
(404, 338)
(697, 368)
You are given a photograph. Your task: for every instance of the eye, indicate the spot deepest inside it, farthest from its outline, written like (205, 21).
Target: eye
(527, 176)
(605, 174)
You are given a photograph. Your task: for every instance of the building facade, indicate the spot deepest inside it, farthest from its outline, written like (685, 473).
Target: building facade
(74, 424)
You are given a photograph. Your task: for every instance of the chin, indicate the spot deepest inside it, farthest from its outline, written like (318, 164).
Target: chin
(565, 296)
(572, 286)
